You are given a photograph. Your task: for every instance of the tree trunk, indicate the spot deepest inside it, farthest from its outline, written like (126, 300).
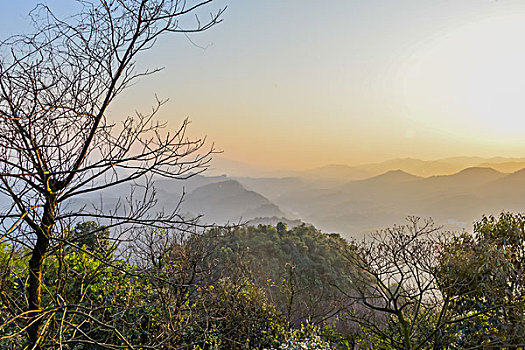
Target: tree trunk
(35, 272)
(34, 289)
(405, 327)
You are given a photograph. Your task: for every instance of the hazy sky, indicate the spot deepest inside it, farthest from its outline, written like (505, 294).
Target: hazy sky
(302, 83)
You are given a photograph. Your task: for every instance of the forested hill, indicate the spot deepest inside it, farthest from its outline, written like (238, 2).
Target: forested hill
(270, 287)
(300, 269)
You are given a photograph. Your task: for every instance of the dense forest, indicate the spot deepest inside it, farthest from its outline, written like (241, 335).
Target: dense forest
(407, 287)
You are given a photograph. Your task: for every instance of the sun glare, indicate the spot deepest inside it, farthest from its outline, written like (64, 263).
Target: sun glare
(471, 79)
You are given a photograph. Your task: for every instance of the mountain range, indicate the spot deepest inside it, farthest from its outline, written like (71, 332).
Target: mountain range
(355, 207)
(425, 168)
(343, 199)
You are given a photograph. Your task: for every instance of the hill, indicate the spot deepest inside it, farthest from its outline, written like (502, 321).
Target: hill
(391, 176)
(228, 201)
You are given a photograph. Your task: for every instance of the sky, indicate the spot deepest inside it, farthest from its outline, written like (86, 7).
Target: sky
(295, 84)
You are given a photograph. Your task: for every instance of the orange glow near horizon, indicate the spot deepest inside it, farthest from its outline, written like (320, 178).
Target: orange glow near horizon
(352, 83)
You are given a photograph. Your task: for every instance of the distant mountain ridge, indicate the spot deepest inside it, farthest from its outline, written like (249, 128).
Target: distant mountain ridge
(395, 176)
(221, 165)
(345, 205)
(357, 206)
(418, 167)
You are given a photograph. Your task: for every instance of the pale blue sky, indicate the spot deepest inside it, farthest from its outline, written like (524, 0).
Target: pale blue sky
(302, 83)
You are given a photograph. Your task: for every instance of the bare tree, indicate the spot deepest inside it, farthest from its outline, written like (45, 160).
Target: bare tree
(56, 141)
(397, 299)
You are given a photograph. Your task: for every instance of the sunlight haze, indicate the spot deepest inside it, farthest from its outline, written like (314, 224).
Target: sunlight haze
(295, 84)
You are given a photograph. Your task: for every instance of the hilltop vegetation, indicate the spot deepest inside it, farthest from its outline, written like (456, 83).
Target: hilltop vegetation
(406, 287)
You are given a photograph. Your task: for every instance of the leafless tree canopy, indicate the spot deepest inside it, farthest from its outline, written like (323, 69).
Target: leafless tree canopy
(396, 289)
(56, 141)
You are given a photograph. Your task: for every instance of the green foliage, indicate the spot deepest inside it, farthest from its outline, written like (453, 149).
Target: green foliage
(234, 316)
(308, 336)
(272, 288)
(12, 271)
(482, 277)
(297, 268)
(92, 236)
(91, 297)
(96, 297)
